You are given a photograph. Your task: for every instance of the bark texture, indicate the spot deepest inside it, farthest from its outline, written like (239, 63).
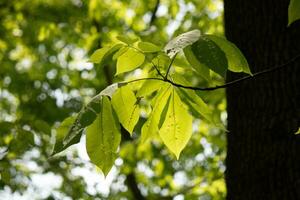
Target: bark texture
(263, 159)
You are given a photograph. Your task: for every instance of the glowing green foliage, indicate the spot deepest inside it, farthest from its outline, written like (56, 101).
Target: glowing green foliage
(176, 129)
(103, 137)
(126, 106)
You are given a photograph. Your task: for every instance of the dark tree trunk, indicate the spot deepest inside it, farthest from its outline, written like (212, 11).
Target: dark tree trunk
(263, 159)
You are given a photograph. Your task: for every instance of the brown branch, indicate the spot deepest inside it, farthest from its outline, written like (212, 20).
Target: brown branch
(229, 84)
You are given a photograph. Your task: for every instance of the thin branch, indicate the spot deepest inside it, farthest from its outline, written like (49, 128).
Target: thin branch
(153, 16)
(169, 67)
(229, 84)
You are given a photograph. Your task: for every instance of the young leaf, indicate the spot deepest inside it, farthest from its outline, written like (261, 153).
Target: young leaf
(181, 41)
(126, 39)
(129, 60)
(120, 52)
(200, 68)
(125, 104)
(148, 47)
(176, 130)
(103, 137)
(208, 53)
(236, 60)
(100, 54)
(294, 11)
(149, 87)
(61, 132)
(150, 127)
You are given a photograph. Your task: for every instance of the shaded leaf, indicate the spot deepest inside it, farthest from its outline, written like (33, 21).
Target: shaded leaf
(236, 60)
(129, 60)
(61, 132)
(208, 53)
(294, 11)
(202, 69)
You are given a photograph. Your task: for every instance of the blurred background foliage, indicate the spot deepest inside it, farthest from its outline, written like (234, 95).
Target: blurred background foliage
(45, 76)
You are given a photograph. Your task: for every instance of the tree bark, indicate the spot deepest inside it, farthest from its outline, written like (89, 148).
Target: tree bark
(263, 155)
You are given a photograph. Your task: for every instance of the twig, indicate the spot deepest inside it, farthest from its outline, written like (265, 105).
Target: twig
(169, 67)
(229, 84)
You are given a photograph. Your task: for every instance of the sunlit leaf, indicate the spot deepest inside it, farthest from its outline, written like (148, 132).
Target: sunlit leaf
(103, 137)
(100, 54)
(148, 47)
(149, 87)
(129, 60)
(151, 126)
(181, 41)
(125, 104)
(176, 130)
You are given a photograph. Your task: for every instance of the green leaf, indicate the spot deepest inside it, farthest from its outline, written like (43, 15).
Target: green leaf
(99, 55)
(181, 41)
(129, 61)
(84, 118)
(149, 87)
(196, 103)
(126, 39)
(148, 47)
(236, 60)
(103, 137)
(176, 130)
(208, 53)
(61, 132)
(294, 11)
(120, 52)
(151, 126)
(125, 104)
(203, 70)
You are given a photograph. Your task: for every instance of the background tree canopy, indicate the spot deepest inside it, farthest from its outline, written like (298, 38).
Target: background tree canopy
(48, 72)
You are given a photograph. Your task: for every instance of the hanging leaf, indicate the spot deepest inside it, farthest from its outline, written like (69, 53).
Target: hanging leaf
(99, 55)
(84, 118)
(61, 132)
(129, 61)
(208, 53)
(181, 41)
(202, 69)
(151, 126)
(236, 60)
(294, 11)
(125, 104)
(103, 137)
(176, 129)
(148, 47)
